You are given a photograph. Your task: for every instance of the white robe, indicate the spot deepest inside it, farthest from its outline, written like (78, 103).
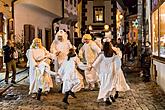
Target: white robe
(63, 48)
(39, 76)
(72, 79)
(105, 66)
(89, 52)
(121, 84)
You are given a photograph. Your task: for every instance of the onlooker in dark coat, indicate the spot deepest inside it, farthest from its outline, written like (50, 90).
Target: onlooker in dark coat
(134, 48)
(120, 45)
(9, 61)
(128, 50)
(146, 61)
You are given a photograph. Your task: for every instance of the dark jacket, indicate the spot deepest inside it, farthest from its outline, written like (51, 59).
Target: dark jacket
(8, 53)
(121, 46)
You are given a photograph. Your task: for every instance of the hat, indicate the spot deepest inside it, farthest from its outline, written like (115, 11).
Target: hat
(87, 37)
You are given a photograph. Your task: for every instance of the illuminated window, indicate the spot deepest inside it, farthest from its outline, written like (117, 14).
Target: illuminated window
(155, 32)
(98, 15)
(162, 29)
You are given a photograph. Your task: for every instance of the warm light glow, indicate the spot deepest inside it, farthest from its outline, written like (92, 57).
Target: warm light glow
(90, 27)
(106, 27)
(11, 19)
(120, 16)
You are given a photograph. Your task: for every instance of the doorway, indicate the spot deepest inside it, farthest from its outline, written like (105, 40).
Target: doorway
(48, 38)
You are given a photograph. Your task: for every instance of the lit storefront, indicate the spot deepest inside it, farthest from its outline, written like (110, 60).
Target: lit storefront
(119, 24)
(158, 42)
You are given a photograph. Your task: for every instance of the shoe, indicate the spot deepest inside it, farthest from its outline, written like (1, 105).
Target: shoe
(39, 94)
(6, 82)
(60, 90)
(34, 95)
(92, 87)
(72, 94)
(108, 101)
(13, 82)
(116, 95)
(87, 87)
(65, 99)
(112, 98)
(46, 93)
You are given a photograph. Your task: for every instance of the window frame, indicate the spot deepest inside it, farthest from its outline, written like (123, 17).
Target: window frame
(159, 29)
(94, 15)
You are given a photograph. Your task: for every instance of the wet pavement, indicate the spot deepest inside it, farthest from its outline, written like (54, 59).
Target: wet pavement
(142, 96)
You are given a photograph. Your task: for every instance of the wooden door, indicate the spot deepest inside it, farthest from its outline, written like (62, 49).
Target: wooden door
(29, 34)
(48, 38)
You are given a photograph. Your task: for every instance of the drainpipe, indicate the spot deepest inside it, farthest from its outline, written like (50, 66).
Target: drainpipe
(58, 19)
(12, 5)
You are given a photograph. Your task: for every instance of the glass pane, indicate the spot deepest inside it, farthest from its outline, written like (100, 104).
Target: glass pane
(162, 30)
(101, 17)
(155, 33)
(98, 14)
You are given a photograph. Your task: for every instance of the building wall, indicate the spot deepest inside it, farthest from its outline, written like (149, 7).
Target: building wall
(7, 14)
(37, 19)
(160, 79)
(53, 6)
(6, 10)
(107, 11)
(89, 13)
(148, 12)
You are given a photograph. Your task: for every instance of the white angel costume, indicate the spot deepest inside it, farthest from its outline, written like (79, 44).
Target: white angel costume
(60, 47)
(121, 84)
(72, 79)
(39, 76)
(105, 66)
(89, 52)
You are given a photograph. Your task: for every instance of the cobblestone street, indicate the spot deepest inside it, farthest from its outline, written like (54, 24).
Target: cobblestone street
(143, 96)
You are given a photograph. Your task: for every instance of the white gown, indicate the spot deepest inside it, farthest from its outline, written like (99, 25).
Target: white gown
(105, 66)
(39, 76)
(89, 52)
(121, 84)
(62, 47)
(72, 79)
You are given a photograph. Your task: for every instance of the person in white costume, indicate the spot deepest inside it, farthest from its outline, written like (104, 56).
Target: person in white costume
(105, 66)
(39, 69)
(89, 51)
(121, 84)
(60, 47)
(71, 78)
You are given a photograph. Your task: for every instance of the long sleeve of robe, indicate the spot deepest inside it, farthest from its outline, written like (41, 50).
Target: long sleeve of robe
(89, 52)
(38, 77)
(121, 84)
(106, 69)
(72, 79)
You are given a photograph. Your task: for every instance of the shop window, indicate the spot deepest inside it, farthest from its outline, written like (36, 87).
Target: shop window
(155, 33)
(162, 29)
(98, 15)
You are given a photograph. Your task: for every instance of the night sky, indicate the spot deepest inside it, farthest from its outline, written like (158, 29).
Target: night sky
(132, 6)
